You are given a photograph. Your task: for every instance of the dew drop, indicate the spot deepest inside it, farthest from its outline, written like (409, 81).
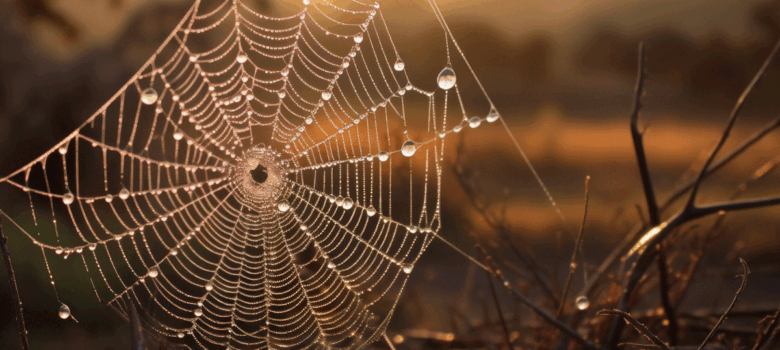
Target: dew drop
(242, 57)
(306, 2)
(309, 120)
(285, 71)
(283, 206)
(446, 79)
(412, 229)
(408, 148)
(180, 335)
(149, 96)
(399, 65)
(178, 135)
(492, 115)
(92, 247)
(331, 265)
(153, 272)
(282, 94)
(582, 302)
(68, 198)
(209, 286)
(124, 193)
(63, 149)
(474, 122)
(407, 268)
(358, 38)
(64, 312)
(383, 156)
(109, 198)
(348, 203)
(326, 95)
(339, 200)
(198, 312)
(371, 211)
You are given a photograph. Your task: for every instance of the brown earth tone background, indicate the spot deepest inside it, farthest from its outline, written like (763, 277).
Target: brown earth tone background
(562, 74)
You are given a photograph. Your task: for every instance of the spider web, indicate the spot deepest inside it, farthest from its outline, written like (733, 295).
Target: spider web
(258, 183)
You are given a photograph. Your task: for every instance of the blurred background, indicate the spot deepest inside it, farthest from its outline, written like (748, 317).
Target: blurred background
(562, 75)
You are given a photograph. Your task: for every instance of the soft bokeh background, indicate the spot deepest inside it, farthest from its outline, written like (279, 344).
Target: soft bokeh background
(562, 74)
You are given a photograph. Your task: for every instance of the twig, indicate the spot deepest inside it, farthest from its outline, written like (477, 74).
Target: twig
(639, 327)
(498, 309)
(636, 136)
(640, 346)
(764, 331)
(745, 272)
(14, 288)
(573, 263)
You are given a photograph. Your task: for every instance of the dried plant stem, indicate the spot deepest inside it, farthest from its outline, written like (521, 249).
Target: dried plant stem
(498, 310)
(573, 262)
(765, 331)
(745, 272)
(663, 281)
(639, 327)
(14, 288)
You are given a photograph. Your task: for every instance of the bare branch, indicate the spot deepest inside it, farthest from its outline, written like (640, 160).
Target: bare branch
(14, 288)
(745, 272)
(573, 262)
(639, 327)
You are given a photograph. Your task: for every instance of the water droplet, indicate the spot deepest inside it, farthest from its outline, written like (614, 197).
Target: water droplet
(242, 57)
(492, 115)
(63, 149)
(309, 120)
(109, 198)
(153, 272)
(326, 95)
(149, 96)
(283, 206)
(412, 229)
(178, 135)
(582, 302)
(474, 122)
(64, 312)
(348, 203)
(124, 193)
(358, 38)
(339, 200)
(399, 65)
(306, 2)
(331, 265)
(92, 247)
(180, 335)
(407, 268)
(68, 198)
(383, 156)
(209, 286)
(371, 211)
(447, 78)
(198, 312)
(285, 71)
(408, 148)
(282, 94)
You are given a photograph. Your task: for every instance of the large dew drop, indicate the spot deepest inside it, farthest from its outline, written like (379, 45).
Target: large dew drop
(64, 312)
(149, 96)
(68, 198)
(209, 286)
(198, 312)
(178, 135)
(383, 156)
(492, 116)
(407, 268)
(326, 95)
(242, 57)
(582, 302)
(283, 206)
(124, 194)
(358, 38)
(348, 203)
(408, 148)
(474, 122)
(446, 78)
(153, 272)
(399, 65)
(370, 211)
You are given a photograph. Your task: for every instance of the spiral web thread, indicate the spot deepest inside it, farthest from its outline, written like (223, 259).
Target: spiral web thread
(156, 193)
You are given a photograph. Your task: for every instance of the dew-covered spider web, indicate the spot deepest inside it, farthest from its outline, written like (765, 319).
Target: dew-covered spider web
(259, 183)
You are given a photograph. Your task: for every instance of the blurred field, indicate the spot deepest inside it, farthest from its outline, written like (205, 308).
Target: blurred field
(561, 72)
